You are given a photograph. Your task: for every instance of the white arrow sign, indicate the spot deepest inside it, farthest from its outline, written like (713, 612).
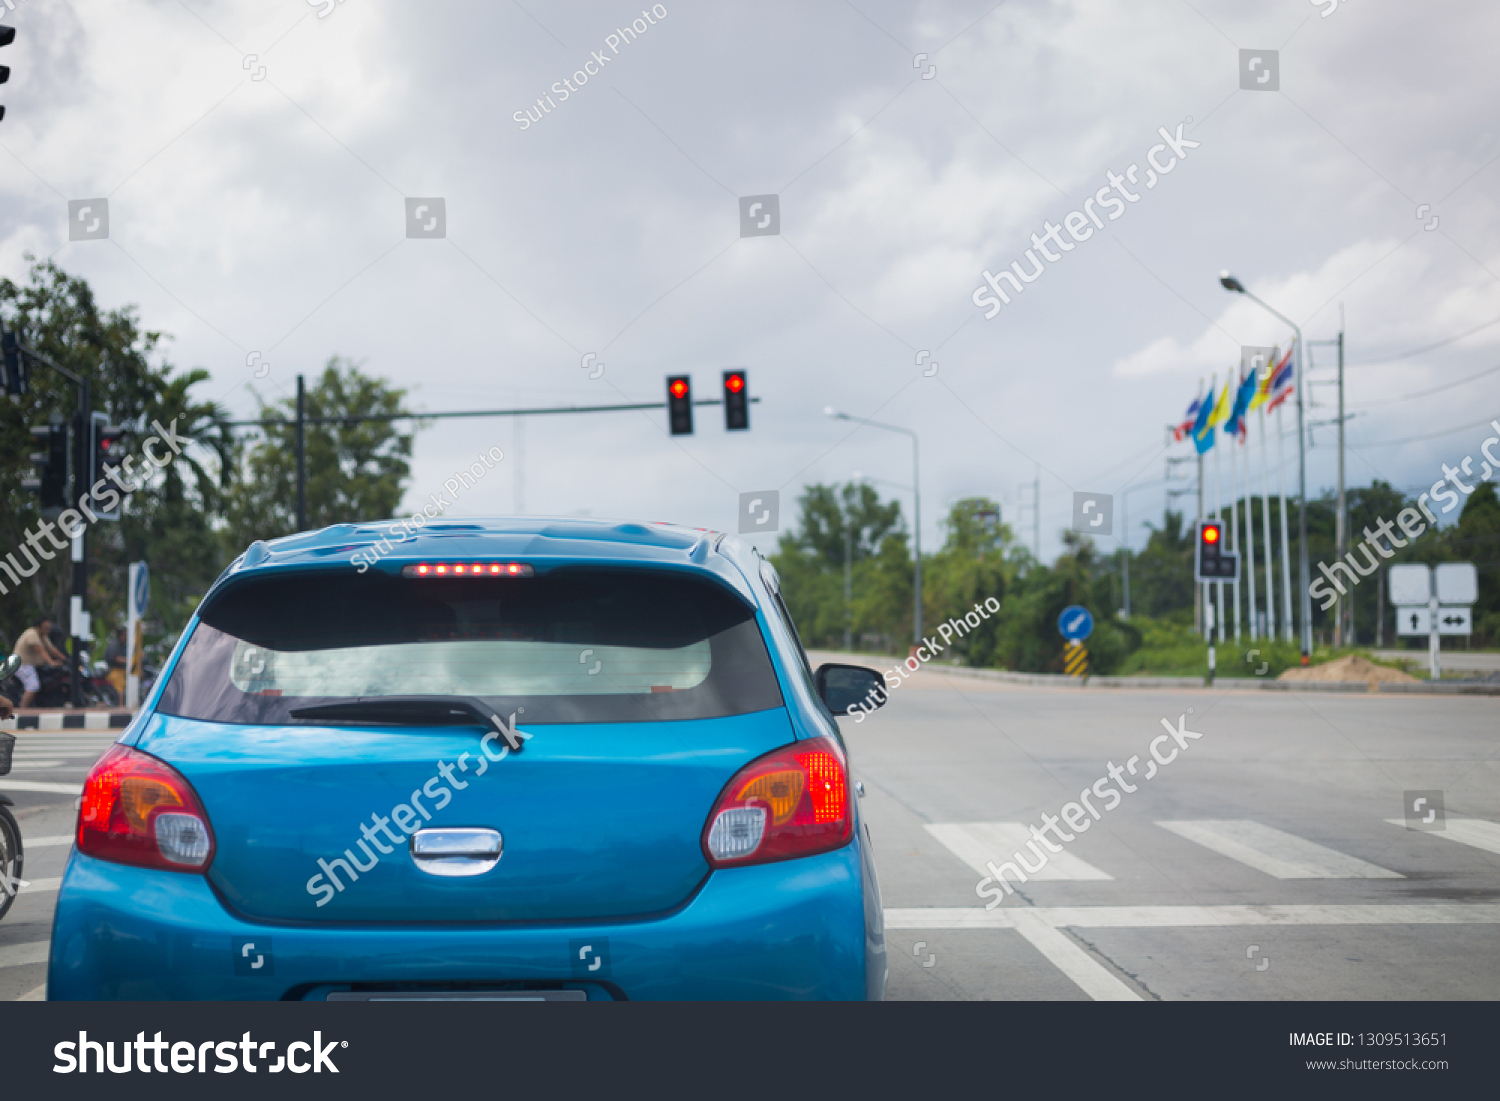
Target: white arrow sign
(1454, 621)
(1411, 620)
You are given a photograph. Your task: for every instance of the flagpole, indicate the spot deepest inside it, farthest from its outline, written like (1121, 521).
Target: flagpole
(1218, 515)
(1249, 563)
(1286, 551)
(1265, 516)
(1200, 593)
(1234, 530)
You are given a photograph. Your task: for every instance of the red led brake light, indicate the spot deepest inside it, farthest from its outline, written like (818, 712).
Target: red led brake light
(468, 569)
(792, 802)
(137, 809)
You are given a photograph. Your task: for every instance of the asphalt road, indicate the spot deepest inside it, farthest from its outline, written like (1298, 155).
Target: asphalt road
(1279, 874)
(1268, 838)
(47, 773)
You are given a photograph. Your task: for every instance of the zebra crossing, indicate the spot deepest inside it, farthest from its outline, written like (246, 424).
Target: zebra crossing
(46, 751)
(1268, 851)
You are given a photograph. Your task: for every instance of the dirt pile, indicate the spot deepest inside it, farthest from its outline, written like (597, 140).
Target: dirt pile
(1353, 669)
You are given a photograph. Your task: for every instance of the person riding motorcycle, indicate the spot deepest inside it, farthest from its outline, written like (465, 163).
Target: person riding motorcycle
(35, 651)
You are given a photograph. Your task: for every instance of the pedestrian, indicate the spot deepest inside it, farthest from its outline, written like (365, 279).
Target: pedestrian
(34, 650)
(114, 657)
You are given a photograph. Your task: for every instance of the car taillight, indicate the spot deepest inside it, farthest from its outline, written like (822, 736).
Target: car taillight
(139, 810)
(791, 802)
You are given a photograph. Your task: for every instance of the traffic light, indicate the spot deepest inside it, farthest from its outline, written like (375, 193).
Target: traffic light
(680, 405)
(1213, 562)
(50, 482)
(106, 454)
(7, 36)
(736, 401)
(14, 371)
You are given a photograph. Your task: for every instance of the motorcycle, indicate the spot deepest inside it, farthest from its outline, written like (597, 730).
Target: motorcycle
(57, 685)
(10, 833)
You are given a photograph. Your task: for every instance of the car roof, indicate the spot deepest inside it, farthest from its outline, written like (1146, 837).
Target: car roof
(536, 539)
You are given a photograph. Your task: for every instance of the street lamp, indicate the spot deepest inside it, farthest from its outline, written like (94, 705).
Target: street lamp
(1230, 283)
(916, 493)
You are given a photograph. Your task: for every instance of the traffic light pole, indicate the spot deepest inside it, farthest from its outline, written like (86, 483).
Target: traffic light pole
(81, 462)
(83, 453)
(302, 420)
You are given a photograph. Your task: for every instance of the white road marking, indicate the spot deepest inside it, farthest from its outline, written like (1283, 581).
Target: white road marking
(28, 763)
(41, 785)
(1177, 917)
(1268, 850)
(1466, 831)
(29, 843)
(40, 886)
(977, 842)
(19, 955)
(1039, 926)
(37, 995)
(1092, 977)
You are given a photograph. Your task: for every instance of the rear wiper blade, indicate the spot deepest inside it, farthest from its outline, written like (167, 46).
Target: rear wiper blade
(409, 710)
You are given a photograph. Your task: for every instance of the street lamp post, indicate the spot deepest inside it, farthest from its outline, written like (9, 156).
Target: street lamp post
(916, 493)
(1230, 283)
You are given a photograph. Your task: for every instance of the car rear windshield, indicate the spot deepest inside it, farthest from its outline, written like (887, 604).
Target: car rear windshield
(568, 645)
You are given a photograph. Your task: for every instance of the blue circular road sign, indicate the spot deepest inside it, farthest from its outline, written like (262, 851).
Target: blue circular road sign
(1075, 623)
(142, 588)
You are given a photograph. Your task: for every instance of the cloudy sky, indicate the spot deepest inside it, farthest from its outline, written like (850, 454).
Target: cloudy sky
(257, 158)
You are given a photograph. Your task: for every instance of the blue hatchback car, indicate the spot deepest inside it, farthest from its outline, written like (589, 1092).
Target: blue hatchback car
(501, 759)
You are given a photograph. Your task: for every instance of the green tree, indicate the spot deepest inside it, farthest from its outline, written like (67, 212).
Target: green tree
(168, 521)
(971, 568)
(810, 561)
(356, 470)
(1476, 538)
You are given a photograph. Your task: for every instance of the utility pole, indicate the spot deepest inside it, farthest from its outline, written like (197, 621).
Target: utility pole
(848, 588)
(1036, 515)
(1346, 633)
(301, 455)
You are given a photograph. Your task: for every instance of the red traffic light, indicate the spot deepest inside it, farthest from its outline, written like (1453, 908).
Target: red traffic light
(1211, 533)
(679, 388)
(734, 383)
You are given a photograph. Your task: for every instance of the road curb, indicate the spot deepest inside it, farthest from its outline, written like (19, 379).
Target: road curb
(1059, 680)
(73, 720)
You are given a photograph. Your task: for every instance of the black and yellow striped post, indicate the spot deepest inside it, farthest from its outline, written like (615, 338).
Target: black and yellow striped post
(1076, 659)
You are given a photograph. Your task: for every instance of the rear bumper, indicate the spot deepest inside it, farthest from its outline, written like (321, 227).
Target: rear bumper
(791, 930)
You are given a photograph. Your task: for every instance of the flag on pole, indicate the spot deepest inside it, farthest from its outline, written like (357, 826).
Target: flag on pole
(1190, 418)
(1224, 406)
(1242, 398)
(1281, 381)
(1263, 382)
(1203, 431)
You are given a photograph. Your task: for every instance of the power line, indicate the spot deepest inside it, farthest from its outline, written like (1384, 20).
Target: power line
(1425, 393)
(1428, 348)
(1430, 436)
